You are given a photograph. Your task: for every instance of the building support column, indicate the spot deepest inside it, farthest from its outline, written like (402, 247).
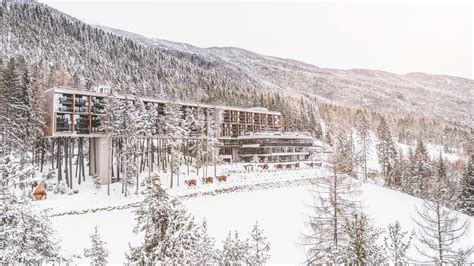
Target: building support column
(102, 148)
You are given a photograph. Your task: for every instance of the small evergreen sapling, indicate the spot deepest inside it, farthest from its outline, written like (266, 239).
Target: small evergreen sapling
(98, 253)
(205, 252)
(234, 250)
(259, 247)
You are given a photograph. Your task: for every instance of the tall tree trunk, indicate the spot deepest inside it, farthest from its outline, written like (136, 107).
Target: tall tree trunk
(172, 168)
(42, 155)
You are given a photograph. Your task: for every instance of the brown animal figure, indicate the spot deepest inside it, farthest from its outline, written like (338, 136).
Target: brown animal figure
(265, 166)
(190, 182)
(39, 193)
(208, 180)
(288, 166)
(222, 178)
(279, 166)
(297, 165)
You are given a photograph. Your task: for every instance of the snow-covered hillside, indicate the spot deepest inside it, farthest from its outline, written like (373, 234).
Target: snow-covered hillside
(281, 212)
(125, 59)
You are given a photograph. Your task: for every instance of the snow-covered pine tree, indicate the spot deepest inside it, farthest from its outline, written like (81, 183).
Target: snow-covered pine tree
(98, 252)
(344, 146)
(110, 123)
(397, 243)
(197, 122)
(361, 247)
(111, 114)
(13, 112)
(422, 170)
(386, 151)
(143, 129)
(170, 234)
(333, 205)
(205, 252)
(173, 120)
(439, 227)
(27, 236)
(259, 247)
(400, 171)
(363, 139)
(411, 184)
(213, 127)
(465, 198)
(38, 103)
(129, 133)
(234, 250)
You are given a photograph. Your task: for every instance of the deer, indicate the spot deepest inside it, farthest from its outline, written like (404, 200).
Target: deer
(190, 182)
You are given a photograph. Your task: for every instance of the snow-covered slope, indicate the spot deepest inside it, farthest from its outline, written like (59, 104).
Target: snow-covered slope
(281, 212)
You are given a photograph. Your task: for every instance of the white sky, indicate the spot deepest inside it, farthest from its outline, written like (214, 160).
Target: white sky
(397, 37)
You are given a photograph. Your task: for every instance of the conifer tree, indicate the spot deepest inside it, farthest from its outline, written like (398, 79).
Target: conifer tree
(258, 248)
(97, 253)
(364, 141)
(422, 170)
(386, 151)
(14, 109)
(344, 147)
(27, 236)
(439, 227)
(205, 252)
(361, 247)
(173, 120)
(397, 243)
(234, 250)
(332, 207)
(465, 199)
(171, 236)
(214, 120)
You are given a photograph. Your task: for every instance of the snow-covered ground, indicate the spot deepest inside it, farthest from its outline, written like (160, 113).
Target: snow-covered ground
(280, 211)
(89, 197)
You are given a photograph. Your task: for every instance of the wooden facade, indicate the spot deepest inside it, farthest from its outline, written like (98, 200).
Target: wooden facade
(76, 113)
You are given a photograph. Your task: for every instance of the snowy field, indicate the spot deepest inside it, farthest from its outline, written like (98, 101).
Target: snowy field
(281, 212)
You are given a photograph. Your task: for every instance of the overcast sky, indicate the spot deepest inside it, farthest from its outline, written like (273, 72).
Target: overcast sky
(404, 37)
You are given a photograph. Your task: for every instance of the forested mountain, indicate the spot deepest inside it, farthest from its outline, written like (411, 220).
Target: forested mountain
(84, 55)
(414, 93)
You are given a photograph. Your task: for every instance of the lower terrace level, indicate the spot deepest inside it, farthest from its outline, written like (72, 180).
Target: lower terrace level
(269, 147)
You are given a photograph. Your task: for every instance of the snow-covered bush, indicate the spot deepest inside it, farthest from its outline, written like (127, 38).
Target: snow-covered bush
(97, 182)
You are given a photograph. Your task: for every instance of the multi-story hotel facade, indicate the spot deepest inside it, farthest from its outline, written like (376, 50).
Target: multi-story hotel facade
(243, 132)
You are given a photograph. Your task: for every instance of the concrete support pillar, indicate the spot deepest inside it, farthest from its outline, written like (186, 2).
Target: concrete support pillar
(102, 148)
(92, 157)
(235, 155)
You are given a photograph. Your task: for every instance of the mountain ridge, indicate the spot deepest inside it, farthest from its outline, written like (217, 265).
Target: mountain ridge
(105, 55)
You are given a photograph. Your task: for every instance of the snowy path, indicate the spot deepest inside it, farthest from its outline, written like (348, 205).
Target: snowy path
(263, 185)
